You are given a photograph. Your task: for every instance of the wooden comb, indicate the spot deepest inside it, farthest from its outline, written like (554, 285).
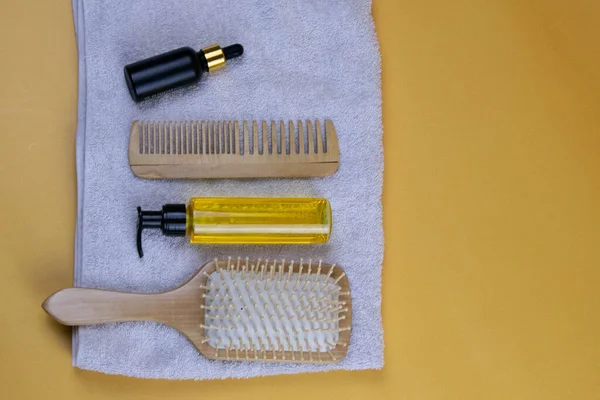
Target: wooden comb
(228, 149)
(235, 310)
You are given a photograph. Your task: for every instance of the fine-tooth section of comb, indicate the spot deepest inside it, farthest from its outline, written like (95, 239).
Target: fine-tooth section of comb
(295, 311)
(233, 149)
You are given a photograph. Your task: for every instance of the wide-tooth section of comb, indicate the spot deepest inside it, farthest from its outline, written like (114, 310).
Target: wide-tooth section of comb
(236, 149)
(289, 311)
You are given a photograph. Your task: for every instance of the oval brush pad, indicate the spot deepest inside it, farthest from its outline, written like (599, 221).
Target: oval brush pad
(273, 311)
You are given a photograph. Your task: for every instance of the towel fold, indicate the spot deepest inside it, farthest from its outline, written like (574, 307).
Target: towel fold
(303, 60)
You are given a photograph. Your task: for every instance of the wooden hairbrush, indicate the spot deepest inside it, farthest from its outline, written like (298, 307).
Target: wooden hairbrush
(235, 310)
(230, 149)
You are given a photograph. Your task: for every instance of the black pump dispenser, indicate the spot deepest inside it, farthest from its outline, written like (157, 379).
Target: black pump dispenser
(171, 220)
(175, 69)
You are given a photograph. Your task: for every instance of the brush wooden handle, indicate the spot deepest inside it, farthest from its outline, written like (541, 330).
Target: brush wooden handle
(76, 306)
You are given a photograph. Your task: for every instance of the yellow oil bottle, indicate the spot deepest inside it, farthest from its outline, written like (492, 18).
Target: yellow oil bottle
(226, 220)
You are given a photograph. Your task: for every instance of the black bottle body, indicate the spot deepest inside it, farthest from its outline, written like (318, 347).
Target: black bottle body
(175, 69)
(171, 70)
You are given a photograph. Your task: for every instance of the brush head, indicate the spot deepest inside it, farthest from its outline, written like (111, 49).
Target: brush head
(276, 311)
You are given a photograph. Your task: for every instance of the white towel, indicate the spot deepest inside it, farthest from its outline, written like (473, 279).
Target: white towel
(303, 60)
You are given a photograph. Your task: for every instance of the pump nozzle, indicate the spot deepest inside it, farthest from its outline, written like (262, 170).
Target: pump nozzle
(171, 220)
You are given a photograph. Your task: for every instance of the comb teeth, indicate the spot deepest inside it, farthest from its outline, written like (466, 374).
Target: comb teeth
(233, 149)
(233, 137)
(260, 317)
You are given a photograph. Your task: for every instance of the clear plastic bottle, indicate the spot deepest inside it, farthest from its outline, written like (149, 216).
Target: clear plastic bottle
(226, 220)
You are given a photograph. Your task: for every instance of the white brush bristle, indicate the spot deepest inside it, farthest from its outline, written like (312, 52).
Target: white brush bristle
(266, 309)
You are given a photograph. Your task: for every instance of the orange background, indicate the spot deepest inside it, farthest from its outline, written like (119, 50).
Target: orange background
(491, 208)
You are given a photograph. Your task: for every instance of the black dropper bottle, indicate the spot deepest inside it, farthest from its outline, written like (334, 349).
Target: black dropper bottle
(175, 69)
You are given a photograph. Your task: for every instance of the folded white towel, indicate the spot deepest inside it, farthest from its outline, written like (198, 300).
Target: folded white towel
(303, 60)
